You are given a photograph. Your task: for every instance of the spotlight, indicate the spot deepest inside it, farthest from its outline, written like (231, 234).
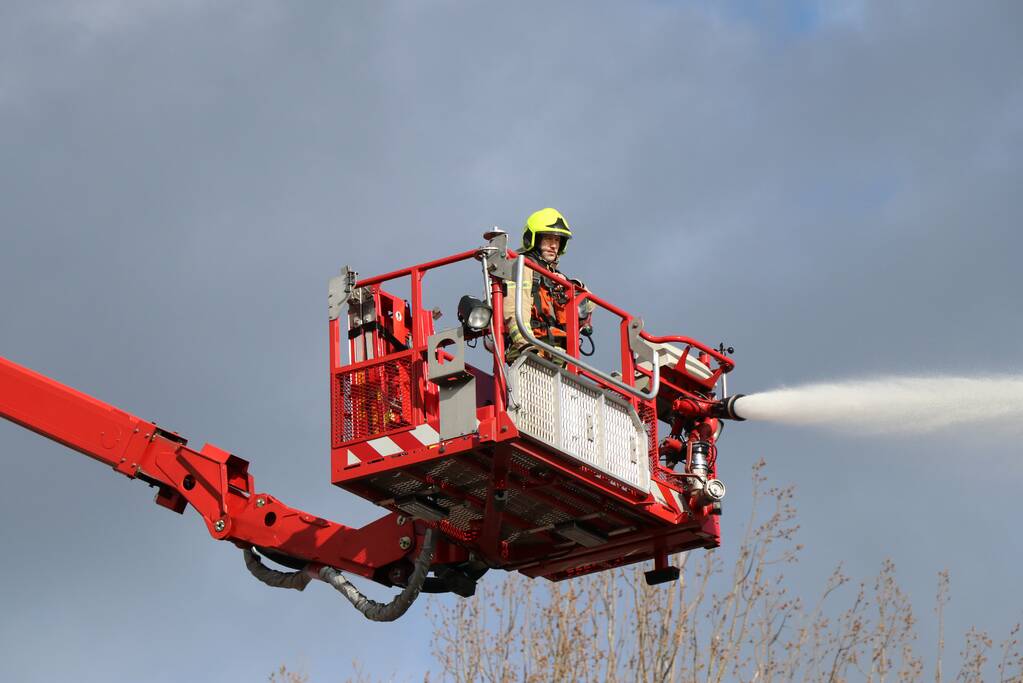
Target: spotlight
(474, 314)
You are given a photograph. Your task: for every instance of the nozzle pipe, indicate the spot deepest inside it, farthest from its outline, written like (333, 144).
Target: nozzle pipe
(725, 408)
(692, 407)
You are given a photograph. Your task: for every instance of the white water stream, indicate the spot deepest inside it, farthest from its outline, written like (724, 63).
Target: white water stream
(909, 405)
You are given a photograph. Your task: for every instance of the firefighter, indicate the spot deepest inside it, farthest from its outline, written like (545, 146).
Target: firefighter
(544, 240)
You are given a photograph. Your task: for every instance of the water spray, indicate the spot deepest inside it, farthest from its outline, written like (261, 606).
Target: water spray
(894, 405)
(687, 457)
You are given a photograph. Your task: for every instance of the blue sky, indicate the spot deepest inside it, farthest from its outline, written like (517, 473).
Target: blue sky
(831, 188)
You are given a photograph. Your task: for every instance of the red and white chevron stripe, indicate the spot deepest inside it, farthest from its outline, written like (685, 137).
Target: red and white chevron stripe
(663, 493)
(391, 445)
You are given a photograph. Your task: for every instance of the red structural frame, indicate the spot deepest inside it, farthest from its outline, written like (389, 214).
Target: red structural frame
(217, 484)
(667, 520)
(214, 482)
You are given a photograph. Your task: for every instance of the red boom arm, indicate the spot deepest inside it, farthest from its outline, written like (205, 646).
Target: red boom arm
(216, 483)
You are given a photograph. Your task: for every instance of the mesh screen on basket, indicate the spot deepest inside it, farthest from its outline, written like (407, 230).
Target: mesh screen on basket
(648, 414)
(374, 400)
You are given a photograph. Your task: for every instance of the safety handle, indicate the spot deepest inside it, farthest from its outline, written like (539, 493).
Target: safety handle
(520, 323)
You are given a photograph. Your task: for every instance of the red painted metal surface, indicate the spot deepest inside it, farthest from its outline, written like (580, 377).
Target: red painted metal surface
(497, 482)
(509, 500)
(214, 482)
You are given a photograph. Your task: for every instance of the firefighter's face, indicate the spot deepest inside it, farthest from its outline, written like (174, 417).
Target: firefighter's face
(549, 245)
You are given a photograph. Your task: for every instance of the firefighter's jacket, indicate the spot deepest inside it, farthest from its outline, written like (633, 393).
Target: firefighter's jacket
(546, 301)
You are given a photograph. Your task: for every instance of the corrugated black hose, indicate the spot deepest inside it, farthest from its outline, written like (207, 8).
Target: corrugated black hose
(375, 611)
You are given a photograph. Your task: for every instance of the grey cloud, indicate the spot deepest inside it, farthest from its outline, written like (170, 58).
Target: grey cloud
(178, 184)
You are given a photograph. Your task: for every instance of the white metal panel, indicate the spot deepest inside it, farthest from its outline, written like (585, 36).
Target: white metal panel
(581, 428)
(622, 441)
(577, 417)
(538, 389)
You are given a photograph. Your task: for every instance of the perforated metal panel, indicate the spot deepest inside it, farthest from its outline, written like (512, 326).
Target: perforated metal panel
(372, 400)
(624, 441)
(575, 416)
(537, 391)
(582, 430)
(648, 414)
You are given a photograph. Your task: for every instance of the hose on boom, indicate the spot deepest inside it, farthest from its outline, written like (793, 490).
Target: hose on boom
(372, 610)
(376, 611)
(273, 578)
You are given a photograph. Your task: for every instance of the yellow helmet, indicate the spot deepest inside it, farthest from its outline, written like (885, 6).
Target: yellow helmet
(548, 221)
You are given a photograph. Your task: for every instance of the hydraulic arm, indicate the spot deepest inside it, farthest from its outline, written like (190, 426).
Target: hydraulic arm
(214, 482)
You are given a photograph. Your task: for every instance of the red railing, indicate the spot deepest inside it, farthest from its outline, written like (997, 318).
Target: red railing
(393, 409)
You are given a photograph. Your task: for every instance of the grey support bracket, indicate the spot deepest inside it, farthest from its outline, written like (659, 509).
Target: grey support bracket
(339, 289)
(644, 351)
(457, 386)
(498, 262)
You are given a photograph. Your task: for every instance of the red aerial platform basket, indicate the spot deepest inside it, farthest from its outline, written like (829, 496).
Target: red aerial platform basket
(549, 466)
